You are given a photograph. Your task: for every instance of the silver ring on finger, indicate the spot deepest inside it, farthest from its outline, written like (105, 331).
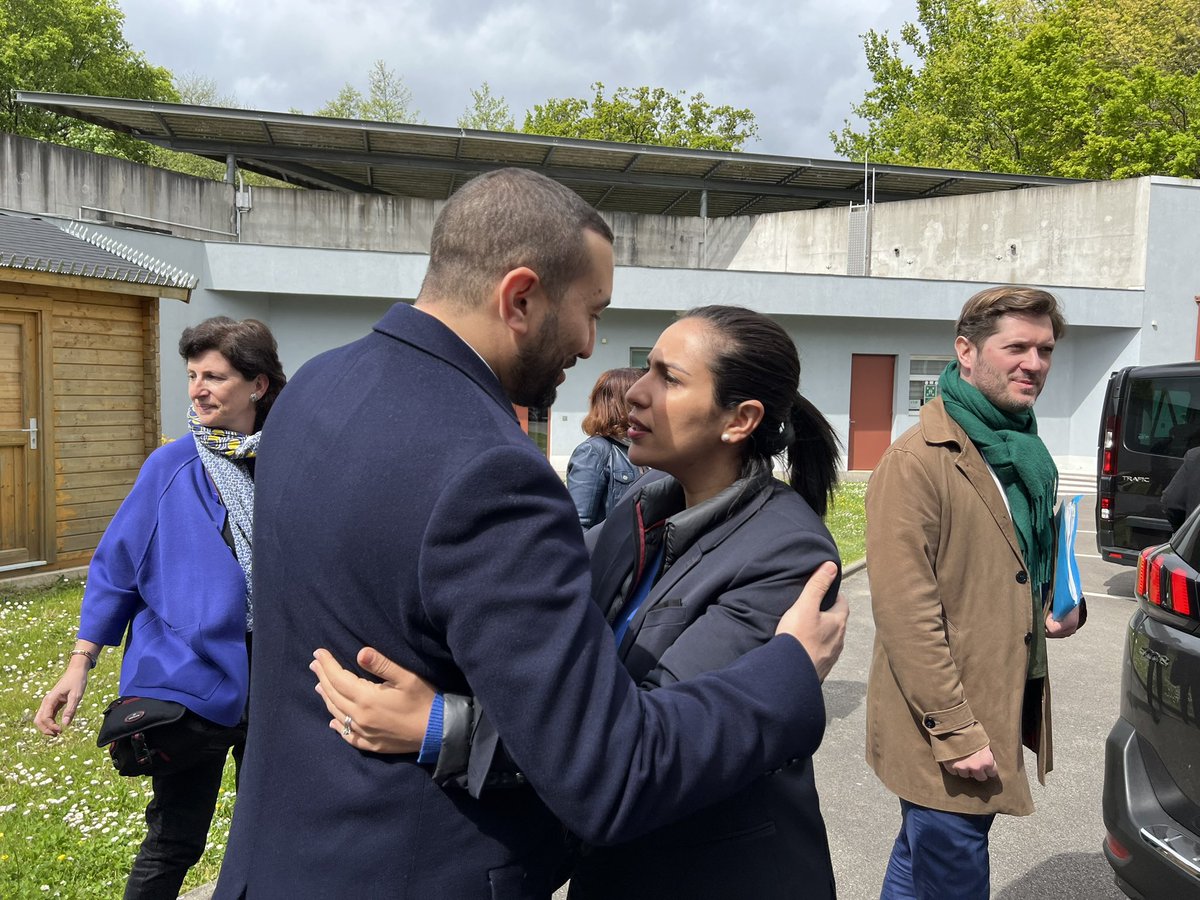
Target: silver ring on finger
(346, 726)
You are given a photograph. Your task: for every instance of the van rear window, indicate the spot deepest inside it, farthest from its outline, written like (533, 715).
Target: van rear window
(1163, 415)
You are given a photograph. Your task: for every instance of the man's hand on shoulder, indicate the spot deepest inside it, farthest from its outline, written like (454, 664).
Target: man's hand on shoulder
(821, 632)
(980, 765)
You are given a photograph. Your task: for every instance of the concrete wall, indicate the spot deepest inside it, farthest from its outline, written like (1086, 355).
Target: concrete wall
(45, 179)
(315, 299)
(1089, 234)
(1067, 411)
(1169, 323)
(833, 317)
(300, 218)
(1120, 255)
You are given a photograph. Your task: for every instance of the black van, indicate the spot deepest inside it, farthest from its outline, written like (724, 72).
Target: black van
(1151, 418)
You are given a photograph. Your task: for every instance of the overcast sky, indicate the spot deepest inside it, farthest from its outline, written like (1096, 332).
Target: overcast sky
(797, 64)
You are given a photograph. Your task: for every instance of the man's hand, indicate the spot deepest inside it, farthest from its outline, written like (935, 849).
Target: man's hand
(980, 765)
(821, 633)
(1067, 627)
(384, 718)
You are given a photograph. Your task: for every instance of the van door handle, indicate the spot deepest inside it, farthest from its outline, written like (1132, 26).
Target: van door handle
(32, 431)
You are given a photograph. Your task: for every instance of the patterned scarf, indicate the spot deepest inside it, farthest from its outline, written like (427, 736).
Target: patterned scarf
(218, 448)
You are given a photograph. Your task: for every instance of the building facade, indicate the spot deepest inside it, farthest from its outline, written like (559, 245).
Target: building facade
(321, 266)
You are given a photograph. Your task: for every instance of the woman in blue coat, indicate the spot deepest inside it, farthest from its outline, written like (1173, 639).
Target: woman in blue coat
(171, 578)
(692, 570)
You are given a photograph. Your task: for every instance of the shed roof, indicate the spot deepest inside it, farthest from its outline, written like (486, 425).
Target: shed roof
(433, 162)
(36, 245)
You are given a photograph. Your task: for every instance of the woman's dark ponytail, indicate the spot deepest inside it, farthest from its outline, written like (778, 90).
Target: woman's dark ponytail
(813, 455)
(754, 358)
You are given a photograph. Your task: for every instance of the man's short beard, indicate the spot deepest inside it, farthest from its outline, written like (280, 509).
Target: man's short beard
(535, 376)
(532, 395)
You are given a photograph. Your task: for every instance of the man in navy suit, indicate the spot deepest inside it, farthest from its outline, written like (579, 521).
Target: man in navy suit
(400, 505)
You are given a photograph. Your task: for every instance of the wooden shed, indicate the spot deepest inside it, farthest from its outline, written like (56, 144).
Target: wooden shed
(79, 386)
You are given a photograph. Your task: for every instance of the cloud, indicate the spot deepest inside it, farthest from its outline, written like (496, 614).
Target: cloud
(797, 66)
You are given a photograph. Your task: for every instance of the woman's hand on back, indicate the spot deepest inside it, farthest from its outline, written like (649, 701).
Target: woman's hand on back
(384, 717)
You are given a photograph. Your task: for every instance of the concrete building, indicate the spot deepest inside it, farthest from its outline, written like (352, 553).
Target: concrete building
(869, 293)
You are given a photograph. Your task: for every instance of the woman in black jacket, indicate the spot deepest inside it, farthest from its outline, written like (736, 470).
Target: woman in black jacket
(696, 570)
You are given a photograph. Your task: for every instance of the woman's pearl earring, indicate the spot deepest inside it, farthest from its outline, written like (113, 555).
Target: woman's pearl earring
(726, 438)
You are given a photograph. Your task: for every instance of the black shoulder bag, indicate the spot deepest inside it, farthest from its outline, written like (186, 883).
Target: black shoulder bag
(145, 736)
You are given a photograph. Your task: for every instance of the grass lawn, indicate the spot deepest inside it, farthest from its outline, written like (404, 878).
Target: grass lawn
(69, 824)
(847, 520)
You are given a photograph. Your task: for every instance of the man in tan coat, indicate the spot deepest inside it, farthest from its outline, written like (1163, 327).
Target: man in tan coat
(960, 556)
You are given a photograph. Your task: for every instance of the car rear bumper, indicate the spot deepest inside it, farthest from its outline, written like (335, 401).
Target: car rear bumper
(1122, 556)
(1164, 856)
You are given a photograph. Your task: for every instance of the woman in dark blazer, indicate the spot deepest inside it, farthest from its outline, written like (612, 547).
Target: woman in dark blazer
(696, 569)
(693, 570)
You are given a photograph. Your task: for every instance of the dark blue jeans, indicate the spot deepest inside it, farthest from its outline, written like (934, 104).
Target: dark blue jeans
(939, 856)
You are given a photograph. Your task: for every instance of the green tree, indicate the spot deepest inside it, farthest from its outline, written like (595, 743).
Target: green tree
(388, 99)
(1055, 87)
(487, 112)
(73, 47)
(348, 104)
(201, 90)
(644, 115)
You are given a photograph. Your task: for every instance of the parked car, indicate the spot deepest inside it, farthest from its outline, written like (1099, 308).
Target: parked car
(1151, 795)
(1151, 418)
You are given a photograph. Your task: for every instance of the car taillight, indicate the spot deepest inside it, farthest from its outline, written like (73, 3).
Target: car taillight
(1181, 602)
(1106, 508)
(1116, 848)
(1109, 460)
(1154, 595)
(1140, 588)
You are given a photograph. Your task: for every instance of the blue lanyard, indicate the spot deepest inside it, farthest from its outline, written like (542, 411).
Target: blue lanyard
(640, 593)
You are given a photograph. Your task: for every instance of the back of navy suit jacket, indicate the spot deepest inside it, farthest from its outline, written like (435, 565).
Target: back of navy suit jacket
(400, 505)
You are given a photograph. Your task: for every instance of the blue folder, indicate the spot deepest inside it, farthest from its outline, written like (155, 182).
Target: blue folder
(1067, 589)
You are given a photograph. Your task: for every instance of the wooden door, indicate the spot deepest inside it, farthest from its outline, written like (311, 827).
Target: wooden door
(872, 386)
(21, 447)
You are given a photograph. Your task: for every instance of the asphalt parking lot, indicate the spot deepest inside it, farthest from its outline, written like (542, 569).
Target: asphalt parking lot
(1055, 853)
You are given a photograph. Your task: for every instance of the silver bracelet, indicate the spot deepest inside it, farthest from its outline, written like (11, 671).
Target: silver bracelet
(92, 659)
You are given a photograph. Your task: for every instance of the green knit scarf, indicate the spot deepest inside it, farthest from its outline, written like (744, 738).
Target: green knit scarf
(1010, 444)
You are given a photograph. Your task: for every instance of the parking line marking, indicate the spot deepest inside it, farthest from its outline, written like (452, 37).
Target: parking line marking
(1088, 556)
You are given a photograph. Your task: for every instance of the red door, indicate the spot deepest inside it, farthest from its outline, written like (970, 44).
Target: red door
(872, 386)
